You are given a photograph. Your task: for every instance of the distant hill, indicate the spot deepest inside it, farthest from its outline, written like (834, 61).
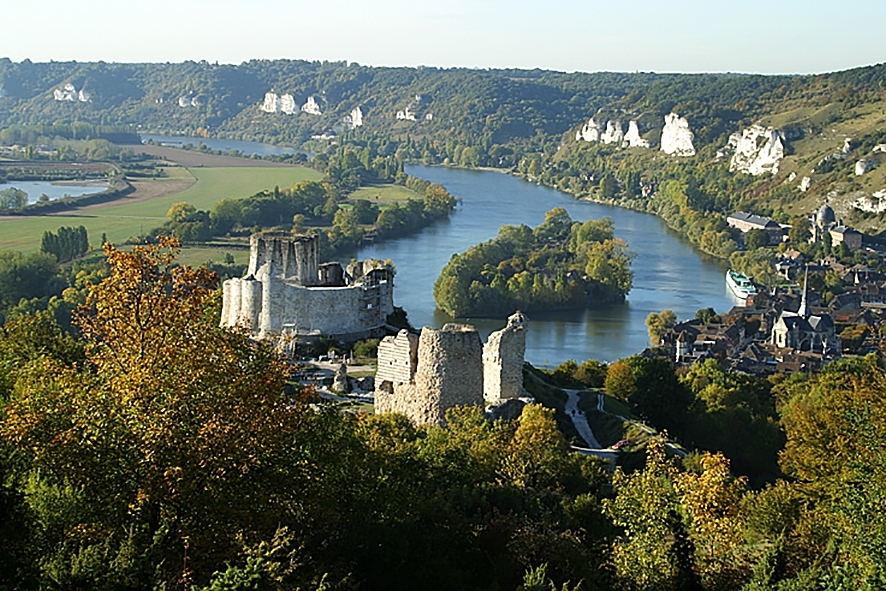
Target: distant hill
(535, 122)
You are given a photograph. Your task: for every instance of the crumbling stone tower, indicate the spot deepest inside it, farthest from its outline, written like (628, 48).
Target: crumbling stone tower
(503, 356)
(423, 376)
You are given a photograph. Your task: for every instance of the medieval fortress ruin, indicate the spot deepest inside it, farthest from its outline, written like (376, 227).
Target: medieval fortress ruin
(423, 375)
(286, 292)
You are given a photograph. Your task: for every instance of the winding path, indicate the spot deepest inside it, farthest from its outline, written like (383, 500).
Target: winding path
(580, 420)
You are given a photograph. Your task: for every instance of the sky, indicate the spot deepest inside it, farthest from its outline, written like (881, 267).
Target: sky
(752, 36)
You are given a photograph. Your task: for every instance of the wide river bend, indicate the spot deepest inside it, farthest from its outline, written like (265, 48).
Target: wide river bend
(668, 272)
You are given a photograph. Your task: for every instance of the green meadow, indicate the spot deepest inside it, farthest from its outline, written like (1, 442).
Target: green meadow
(120, 220)
(383, 194)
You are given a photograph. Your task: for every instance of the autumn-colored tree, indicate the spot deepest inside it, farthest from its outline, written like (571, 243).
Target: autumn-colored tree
(180, 211)
(620, 381)
(173, 428)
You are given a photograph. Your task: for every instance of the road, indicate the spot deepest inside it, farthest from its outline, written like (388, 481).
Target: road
(580, 420)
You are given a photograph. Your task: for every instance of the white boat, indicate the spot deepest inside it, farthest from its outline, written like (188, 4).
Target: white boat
(740, 285)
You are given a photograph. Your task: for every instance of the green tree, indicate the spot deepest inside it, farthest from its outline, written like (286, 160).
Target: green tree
(620, 381)
(801, 230)
(657, 323)
(755, 238)
(13, 199)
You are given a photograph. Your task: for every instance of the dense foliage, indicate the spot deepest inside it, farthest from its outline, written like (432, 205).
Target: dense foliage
(158, 450)
(558, 264)
(67, 244)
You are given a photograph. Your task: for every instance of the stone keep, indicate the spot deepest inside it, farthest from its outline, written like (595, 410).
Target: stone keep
(444, 369)
(503, 362)
(287, 292)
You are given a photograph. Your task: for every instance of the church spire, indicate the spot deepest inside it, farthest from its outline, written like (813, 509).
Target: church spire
(803, 311)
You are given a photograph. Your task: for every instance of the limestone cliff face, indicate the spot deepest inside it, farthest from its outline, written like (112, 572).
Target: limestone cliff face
(590, 132)
(614, 133)
(311, 107)
(68, 93)
(755, 150)
(287, 104)
(189, 101)
(864, 166)
(632, 138)
(676, 137)
(283, 103)
(270, 103)
(354, 119)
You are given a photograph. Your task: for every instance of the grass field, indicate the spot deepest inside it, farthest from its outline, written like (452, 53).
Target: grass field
(383, 194)
(121, 220)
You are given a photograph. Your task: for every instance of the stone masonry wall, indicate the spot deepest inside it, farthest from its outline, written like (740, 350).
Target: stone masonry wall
(503, 362)
(449, 372)
(397, 358)
(423, 376)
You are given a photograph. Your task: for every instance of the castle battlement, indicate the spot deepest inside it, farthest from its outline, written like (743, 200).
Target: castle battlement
(285, 291)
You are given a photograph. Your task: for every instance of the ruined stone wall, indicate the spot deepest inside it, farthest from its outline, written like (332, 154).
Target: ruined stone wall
(503, 362)
(449, 372)
(282, 292)
(293, 257)
(397, 358)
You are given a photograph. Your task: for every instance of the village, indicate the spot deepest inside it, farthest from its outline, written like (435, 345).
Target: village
(819, 311)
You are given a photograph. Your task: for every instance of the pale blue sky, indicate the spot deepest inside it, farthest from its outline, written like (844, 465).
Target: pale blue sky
(793, 36)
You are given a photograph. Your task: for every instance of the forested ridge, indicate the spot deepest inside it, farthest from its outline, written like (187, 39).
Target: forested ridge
(523, 121)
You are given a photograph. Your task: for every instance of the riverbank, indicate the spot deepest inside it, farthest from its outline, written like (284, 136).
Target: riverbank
(638, 205)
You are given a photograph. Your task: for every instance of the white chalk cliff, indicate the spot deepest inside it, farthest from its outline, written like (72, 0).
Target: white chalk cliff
(755, 150)
(632, 138)
(287, 104)
(865, 165)
(270, 104)
(676, 137)
(805, 183)
(354, 119)
(70, 94)
(311, 107)
(590, 132)
(283, 103)
(406, 115)
(875, 203)
(613, 134)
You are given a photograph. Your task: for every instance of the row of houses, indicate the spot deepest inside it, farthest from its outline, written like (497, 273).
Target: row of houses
(824, 222)
(786, 330)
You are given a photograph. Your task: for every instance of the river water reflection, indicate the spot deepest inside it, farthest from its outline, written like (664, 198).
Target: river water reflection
(668, 273)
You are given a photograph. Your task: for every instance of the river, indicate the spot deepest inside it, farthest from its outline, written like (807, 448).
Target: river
(56, 189)
(668, 272)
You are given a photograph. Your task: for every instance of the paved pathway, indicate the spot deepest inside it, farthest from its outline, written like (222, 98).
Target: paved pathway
(580, 420)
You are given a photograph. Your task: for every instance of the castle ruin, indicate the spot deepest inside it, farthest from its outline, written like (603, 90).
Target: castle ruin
(287, 292)
(422, 376)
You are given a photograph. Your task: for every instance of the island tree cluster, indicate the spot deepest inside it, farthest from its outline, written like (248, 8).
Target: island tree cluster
(558, 264)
